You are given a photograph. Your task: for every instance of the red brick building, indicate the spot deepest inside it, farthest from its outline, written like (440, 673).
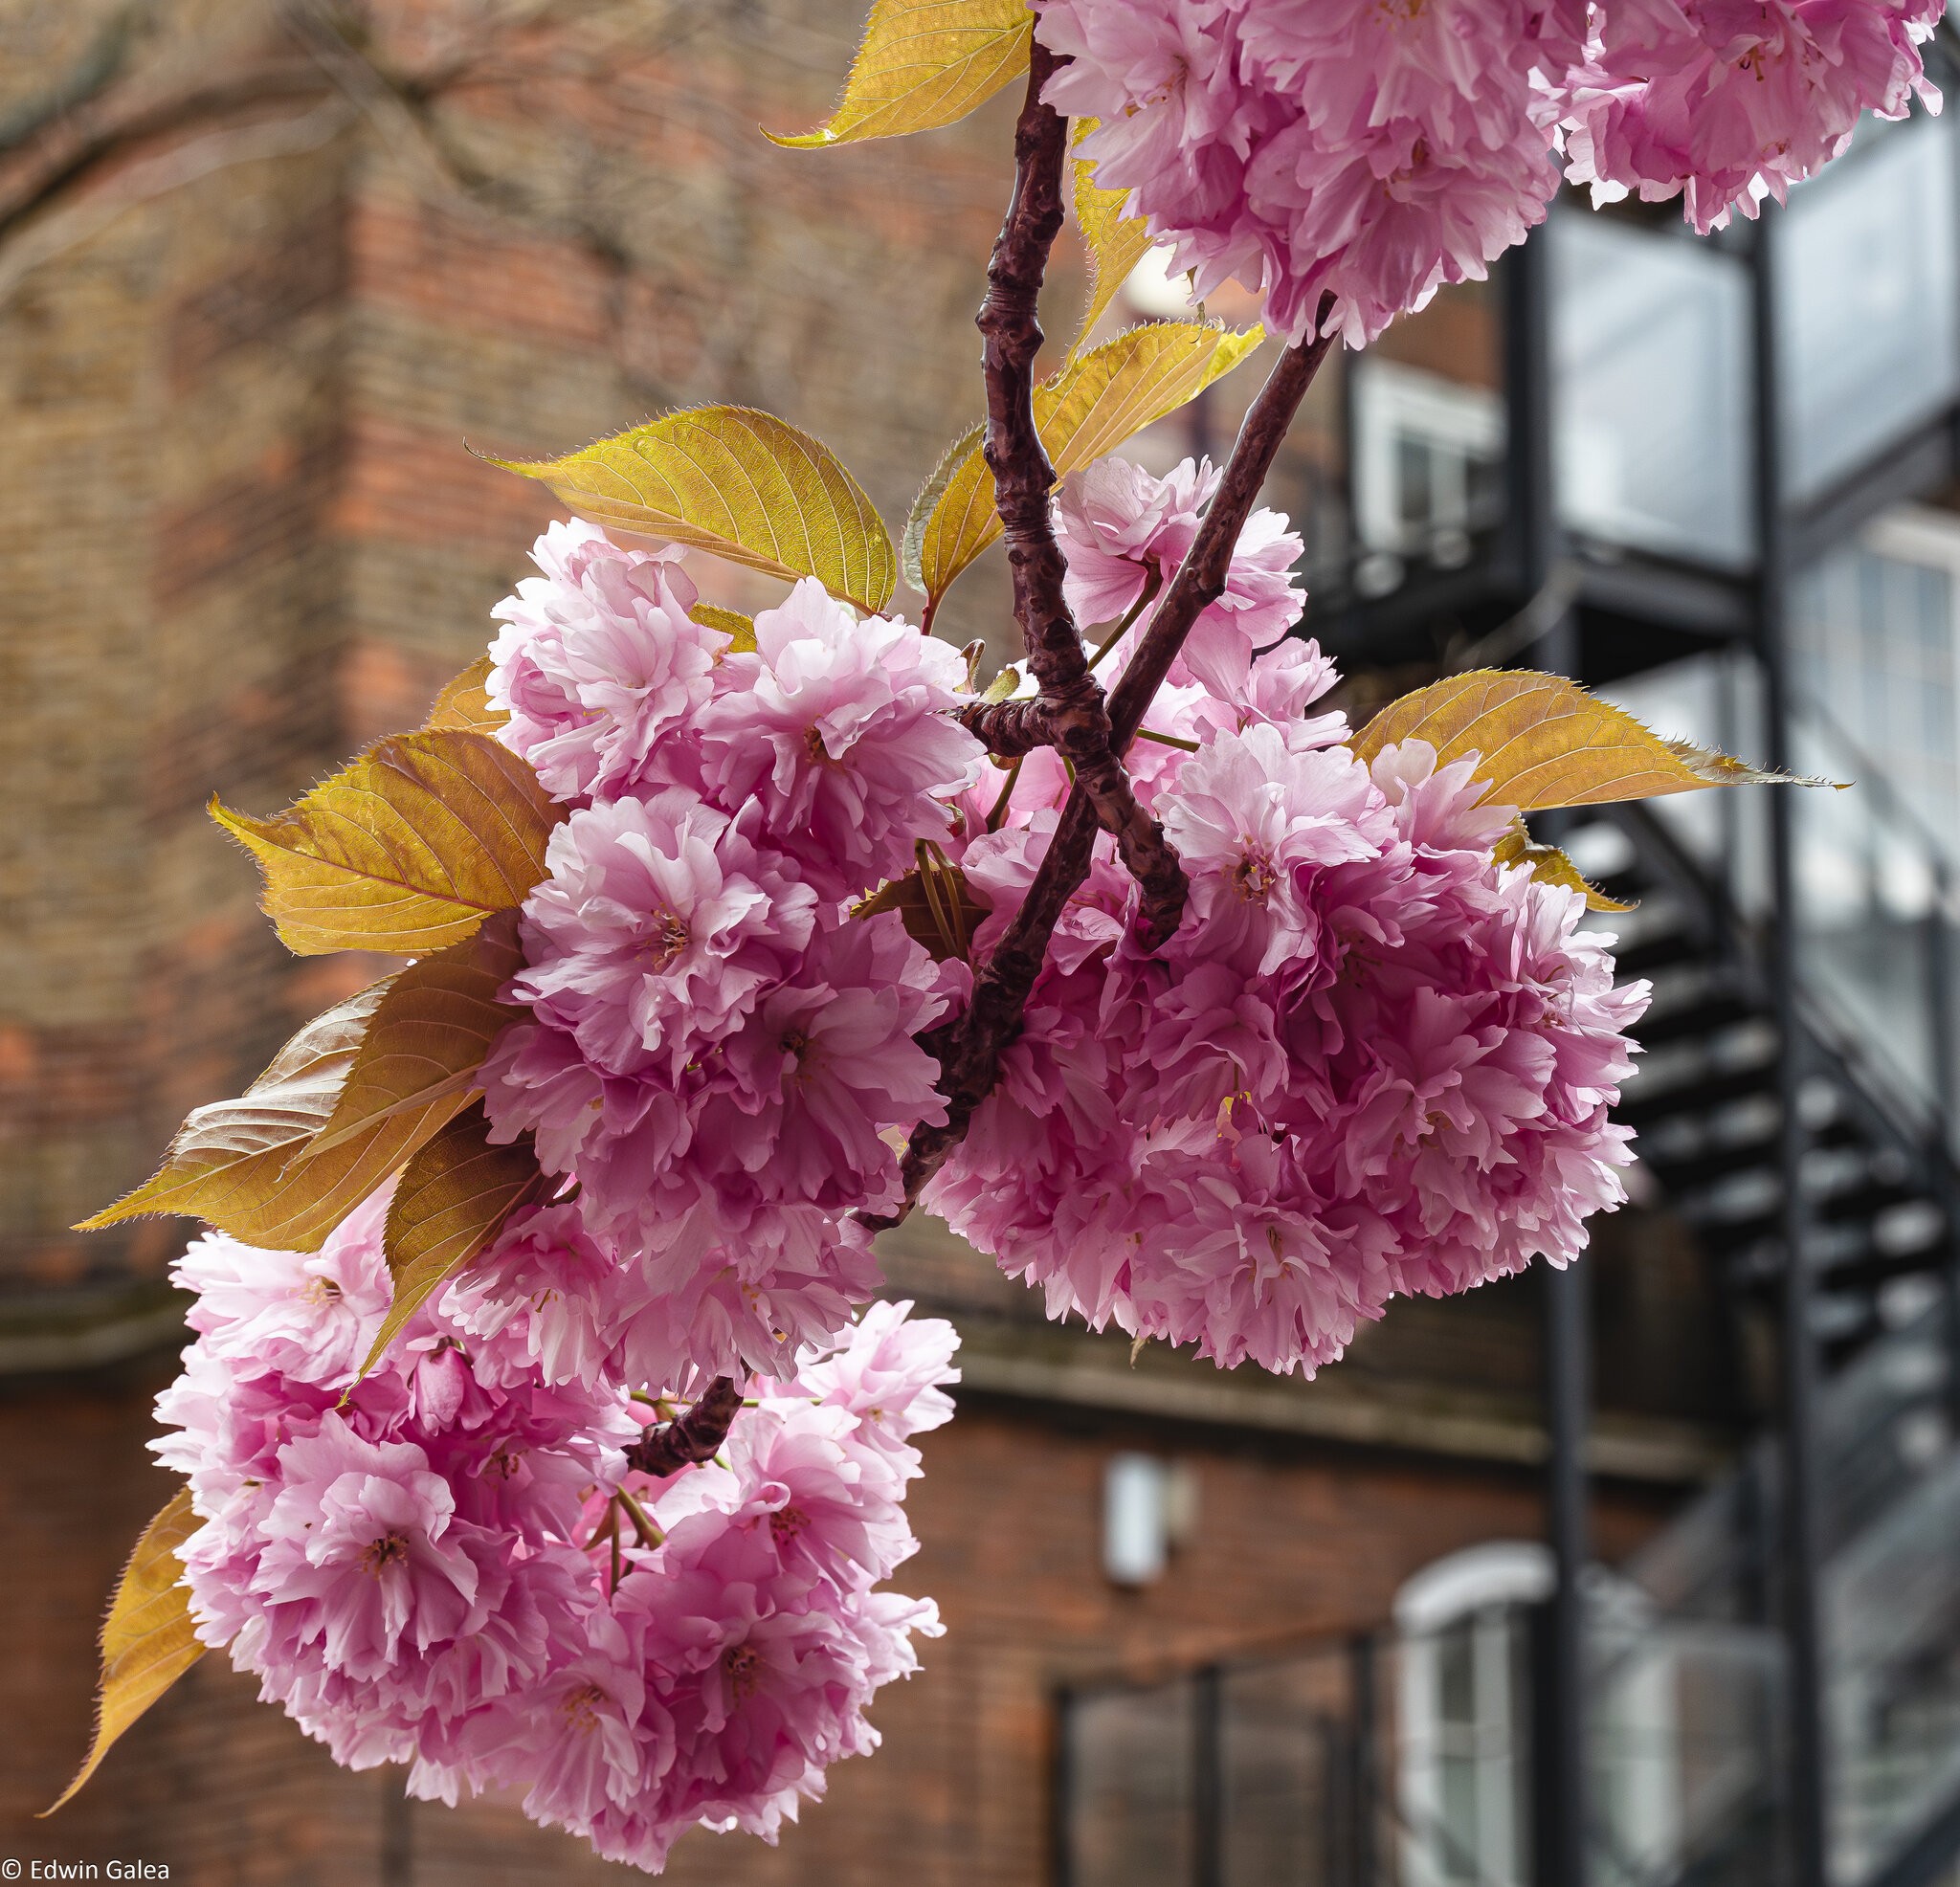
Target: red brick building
(263, 274)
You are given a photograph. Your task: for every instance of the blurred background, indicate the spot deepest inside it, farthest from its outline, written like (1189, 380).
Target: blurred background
(1641, 1575)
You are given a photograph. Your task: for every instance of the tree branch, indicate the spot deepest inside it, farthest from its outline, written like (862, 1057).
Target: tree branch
(1072, 711)
(969, 1055)
(1200, 579)
(689, 1439)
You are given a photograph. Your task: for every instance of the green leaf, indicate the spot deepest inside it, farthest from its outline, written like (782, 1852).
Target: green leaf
(1518, 847)
(464, 704)
(939, 908)
(1115, 242)
(1095, 402)
(739, 629)
(407, 850)
(740, 484)
(924, 63)
(148, 1641)
(228, 1161)
(448, 1206)
(1543, 740)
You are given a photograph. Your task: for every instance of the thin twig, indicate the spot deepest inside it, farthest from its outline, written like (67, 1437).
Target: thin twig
(1069, 711)
(969, 1055)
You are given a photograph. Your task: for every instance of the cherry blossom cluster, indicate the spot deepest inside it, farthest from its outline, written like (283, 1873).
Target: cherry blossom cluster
(1372, 150)
(446, 1561)
(1372, 1060)
(1369, 1061)
(717, 1049)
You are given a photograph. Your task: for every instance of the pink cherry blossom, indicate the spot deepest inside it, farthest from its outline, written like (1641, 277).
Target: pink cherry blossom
(1723, 103)
(836, 728)
(656, 929)
(599, 661)
(1371, 153)
(1119, 526)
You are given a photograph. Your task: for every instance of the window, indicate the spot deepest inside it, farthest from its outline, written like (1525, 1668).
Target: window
(1867, 302)
(1462, 1744)
(1651, 376)
(1427, 461)
(1873, 639)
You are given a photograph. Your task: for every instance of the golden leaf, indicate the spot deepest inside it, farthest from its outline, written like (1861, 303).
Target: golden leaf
(417, 1063)
(228, 1161)
(1095, 402)
(740, 629)
(1543, 742)
(740, 484)
(465, 703)
(1518, 847)
(147, 1638)
(939, 908)
(408, 849)
(1116, 243)
(924, 63)
(449, 1204)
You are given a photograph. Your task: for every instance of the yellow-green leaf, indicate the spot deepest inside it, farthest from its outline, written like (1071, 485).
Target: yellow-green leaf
(936, 903)
(924, 63)
(147, 1638)
(465, 702)
(229, 1160)
(417, 1066)
(1543, 741)
(1003, 686)
(740, 484)
(449, 1204)
(407, 850)
(740, 629)
(1095, 402)
(1518, 847)
(1115, 242)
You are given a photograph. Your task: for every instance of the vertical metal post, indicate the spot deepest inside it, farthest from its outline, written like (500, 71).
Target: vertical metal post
(1360, 1678)
(1808, 1808)
(1208, 1779)
(1061, 1845)
(1942, 1014)
(1559, 1747)
(1530, 521)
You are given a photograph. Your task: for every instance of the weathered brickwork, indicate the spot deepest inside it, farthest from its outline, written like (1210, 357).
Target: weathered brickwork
(240, 536)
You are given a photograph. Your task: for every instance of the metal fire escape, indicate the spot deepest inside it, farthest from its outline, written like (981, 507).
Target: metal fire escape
(1769, 1696)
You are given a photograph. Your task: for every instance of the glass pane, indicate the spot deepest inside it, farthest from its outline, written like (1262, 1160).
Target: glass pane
(1866, 894)
(1651, 358)
(1290, 1771)
(1868, 305)
(1682, 1742)
(1872, 641)
(1132, 1798)
(1892, 1616)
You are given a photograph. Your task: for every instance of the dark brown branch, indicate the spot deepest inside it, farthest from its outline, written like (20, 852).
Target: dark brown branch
(1072, 711)
(689, 1439)
(1007, 729)
(970, 1061)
